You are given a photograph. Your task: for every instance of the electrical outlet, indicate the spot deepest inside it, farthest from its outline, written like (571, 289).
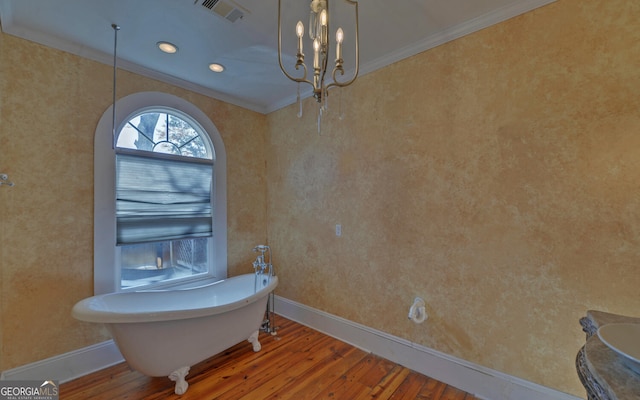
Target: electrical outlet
(338, 230)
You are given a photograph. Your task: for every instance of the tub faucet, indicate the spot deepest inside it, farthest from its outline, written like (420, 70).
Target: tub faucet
(263, 265)
(260, 265)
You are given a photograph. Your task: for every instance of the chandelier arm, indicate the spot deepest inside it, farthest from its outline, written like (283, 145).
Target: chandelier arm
(323, 71)
(302, 79)
(355, 75)
(325, 61)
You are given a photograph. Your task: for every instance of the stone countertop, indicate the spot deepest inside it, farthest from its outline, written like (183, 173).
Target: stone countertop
(607, 367)
(595, 319)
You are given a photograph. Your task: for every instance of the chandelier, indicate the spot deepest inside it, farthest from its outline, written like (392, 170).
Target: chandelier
(319, 34)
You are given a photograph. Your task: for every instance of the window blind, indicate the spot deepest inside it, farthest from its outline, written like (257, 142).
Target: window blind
(160, 199)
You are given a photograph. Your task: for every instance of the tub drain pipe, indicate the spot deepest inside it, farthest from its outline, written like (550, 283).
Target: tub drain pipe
(272, 318)
(268, 325)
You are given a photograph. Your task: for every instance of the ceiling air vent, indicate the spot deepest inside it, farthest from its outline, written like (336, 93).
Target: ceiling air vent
(226, 9)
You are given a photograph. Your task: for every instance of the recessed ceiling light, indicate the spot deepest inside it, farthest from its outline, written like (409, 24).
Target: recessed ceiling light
(215, 67)
(167, 47)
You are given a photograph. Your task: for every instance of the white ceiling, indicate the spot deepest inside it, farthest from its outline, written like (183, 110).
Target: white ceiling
(389, 31)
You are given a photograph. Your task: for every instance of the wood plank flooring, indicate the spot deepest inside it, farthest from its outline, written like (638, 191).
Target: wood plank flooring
(298, 363)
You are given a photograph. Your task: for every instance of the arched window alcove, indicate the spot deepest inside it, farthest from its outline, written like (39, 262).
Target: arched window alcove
(159, 196)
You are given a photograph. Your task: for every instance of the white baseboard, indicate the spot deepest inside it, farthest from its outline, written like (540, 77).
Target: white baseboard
(68, 366)
(480, 381)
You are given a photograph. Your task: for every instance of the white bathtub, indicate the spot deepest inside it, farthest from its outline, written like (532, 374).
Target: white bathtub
(164, 333)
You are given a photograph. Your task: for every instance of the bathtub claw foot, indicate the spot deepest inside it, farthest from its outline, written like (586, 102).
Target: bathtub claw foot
(178, 376)
(253, 339)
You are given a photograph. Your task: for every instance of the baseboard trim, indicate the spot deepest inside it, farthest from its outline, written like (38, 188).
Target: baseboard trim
(68, 366)
(482, 382)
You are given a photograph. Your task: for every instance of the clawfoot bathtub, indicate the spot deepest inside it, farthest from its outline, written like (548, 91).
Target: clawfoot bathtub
(164, 333)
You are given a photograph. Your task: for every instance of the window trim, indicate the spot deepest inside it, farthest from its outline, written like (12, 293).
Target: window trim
(106, 271)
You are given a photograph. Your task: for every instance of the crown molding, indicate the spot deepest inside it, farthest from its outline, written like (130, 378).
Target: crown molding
(476, 24)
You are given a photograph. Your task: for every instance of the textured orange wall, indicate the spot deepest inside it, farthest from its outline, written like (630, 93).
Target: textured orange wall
(50, 104)
(496, 176)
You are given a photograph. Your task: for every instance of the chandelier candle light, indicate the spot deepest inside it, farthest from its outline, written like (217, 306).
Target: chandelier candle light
(319, 35)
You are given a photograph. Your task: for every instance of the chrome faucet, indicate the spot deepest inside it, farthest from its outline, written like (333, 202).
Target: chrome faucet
(260, 265)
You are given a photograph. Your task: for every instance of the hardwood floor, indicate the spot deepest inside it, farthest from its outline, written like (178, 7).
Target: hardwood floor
(298, 363)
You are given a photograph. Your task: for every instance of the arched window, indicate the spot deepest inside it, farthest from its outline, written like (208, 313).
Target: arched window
(160, 196)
